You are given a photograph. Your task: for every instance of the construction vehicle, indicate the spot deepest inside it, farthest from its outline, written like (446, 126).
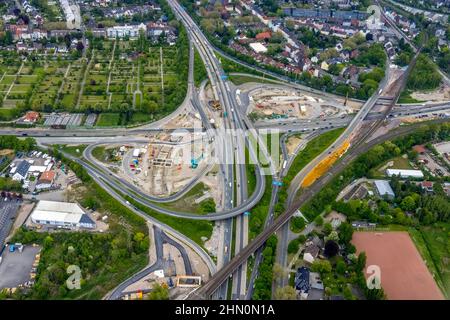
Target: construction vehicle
(195, 161)
(215, 104)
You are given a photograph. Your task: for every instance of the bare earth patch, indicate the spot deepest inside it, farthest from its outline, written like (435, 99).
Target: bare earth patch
(441, 94)
(404, 275)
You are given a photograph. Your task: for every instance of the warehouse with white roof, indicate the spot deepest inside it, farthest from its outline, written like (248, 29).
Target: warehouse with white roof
(63, 214)
(384, 189)
(404, 173)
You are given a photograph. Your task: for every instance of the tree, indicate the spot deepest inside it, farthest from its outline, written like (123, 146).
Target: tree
(321, 266)
(80, 46)
(159, 292)
(331, 248)
(408, 204)
(285, 293)
(327, 228)
(319, 221)
(341, 267)
(375, 294)
(424, 75)
(345, 233)
(297, 224)
(279, 271)
(361, 262)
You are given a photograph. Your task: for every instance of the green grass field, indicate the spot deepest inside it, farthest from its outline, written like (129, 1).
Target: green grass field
(72, 150)
(312, 150)
(433, 243)
(405, 97)
(194, 229)
(186, 203)
(240, 79)
(108, 120)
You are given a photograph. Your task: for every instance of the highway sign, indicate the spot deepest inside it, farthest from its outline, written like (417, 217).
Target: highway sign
(223, 77)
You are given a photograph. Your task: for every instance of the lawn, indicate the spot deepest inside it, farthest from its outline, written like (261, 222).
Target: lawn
(72, 150)
(258, 213)
(138, 117)
(200, 73)
(312, 150)
(194, 229)
(240, 79)
(401, 163)
(108, 120)
(434, 245)
(405, 97)
(186, 202)
(99, 153)
(398, 163)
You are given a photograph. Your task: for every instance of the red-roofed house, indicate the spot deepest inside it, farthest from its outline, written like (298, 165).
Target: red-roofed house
(31, 117)
(46, 180)
(427, 186)
(420, 149)
(263, 35)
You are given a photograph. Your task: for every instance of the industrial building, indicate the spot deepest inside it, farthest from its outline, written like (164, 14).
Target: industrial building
(404, 173)
(384, 189)
(61, 214)
(258, 47)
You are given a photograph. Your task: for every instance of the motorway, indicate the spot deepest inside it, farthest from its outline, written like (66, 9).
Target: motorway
(349, 133)
(209, 287)
(159, 238)
(236, 198)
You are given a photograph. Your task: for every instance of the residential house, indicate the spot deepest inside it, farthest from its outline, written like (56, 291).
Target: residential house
(427, 186)
(324, 66)
(131, 31)
(31, 117)
(354, 54)
(311, 252)
(263, 36)
(46, 180)
(420, 149)
(302, 282)
(21, 171)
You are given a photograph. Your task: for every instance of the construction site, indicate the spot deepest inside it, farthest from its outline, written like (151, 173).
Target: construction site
(282, 103)
(163, 165)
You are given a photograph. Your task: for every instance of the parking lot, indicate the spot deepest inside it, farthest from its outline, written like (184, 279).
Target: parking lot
(8, 212)
(16, 266)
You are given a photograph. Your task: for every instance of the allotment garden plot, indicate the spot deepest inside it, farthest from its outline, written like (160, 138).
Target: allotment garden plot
(16, 82)
(118, 78)
(112, 78)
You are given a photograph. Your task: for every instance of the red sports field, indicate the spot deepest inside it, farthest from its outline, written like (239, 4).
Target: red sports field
(404, 275)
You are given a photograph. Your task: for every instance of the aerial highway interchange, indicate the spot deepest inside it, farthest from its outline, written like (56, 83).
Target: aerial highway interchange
(228, 149)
